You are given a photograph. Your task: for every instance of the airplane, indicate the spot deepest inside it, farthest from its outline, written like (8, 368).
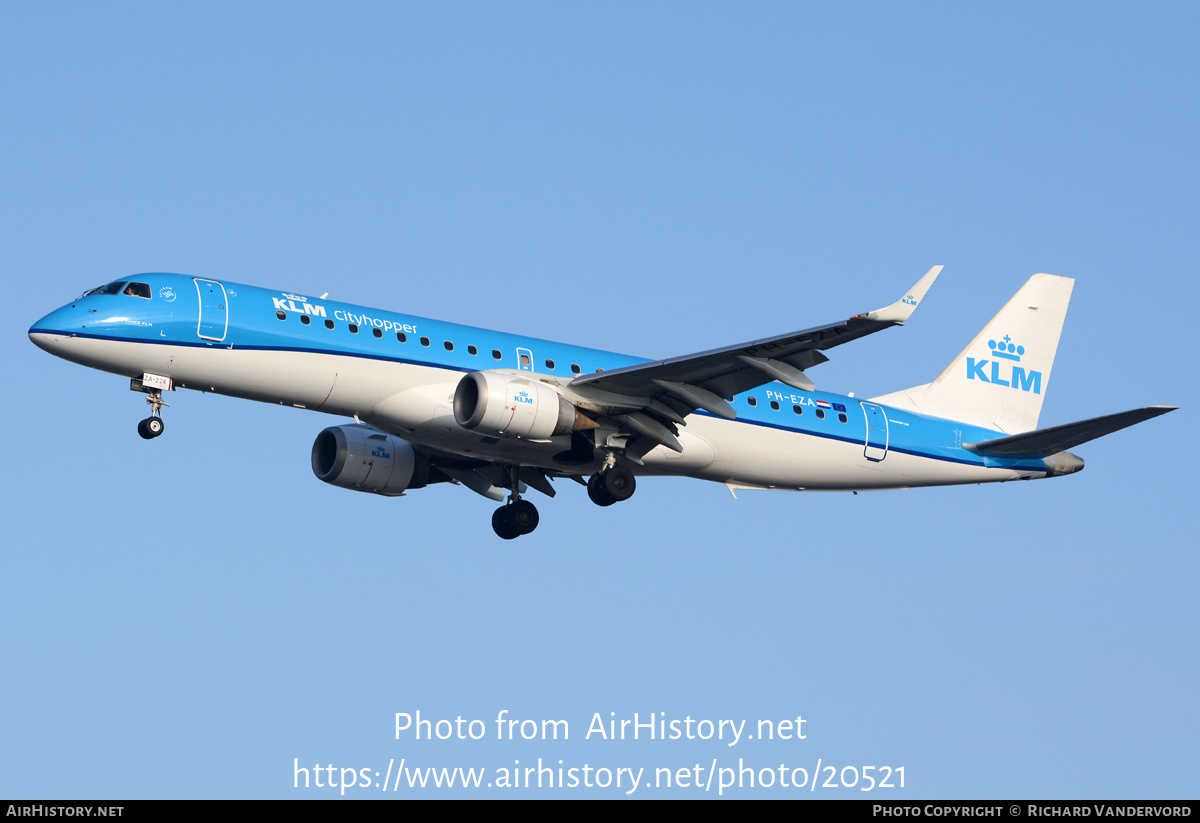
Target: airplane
(500, 414)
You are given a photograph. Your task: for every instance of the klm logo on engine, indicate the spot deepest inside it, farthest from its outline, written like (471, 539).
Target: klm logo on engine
(380, 453)
(522, 397)
(1000, 373)
(288, 303)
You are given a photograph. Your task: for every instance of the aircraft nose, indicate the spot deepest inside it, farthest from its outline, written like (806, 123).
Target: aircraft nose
(50, 330)
(41, 331)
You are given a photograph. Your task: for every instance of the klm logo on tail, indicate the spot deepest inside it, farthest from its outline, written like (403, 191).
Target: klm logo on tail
(1018, 378)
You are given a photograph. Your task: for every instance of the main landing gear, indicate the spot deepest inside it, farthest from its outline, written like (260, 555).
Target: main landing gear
(517, 516)
(612, 485)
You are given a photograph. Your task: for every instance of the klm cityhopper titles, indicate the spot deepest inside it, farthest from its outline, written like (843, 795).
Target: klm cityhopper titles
(435, 402)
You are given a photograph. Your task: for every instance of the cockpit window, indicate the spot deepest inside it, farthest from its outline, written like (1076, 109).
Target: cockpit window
(111, 288)
(138, 290)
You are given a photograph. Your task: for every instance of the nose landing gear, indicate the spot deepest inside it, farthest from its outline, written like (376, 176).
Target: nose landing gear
(151, 428)
(153, 425)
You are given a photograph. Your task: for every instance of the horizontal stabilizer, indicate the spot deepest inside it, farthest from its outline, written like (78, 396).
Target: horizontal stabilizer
(1060, 438)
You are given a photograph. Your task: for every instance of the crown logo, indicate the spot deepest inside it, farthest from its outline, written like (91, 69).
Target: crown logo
(910, 300)
(1006, 348)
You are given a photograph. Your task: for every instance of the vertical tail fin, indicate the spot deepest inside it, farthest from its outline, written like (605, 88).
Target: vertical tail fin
(998, 381)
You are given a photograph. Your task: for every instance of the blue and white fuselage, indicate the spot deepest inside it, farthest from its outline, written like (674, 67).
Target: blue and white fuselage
(404, 375)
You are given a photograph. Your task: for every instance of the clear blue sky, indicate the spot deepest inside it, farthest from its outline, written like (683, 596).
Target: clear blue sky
(184, 618)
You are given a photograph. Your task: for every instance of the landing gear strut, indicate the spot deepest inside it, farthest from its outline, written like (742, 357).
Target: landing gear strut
(614, 484)
(153, 425)
(517, 516)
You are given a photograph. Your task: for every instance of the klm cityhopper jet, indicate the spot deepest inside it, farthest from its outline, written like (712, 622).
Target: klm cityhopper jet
(435, 402)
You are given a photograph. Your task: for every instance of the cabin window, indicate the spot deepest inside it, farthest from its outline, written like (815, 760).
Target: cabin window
(425, 342)
(378, 332)
(820, 414)
(138, 290)
(575, 368)
(328, 323)
(305, 319)
(402, 337)
(471, 350)
(353, 328)
(753, 401)
(496, 354)
(798, 409)
(549, 364)
(774, 405)
(842, 417)
(449, 346)
(281, 314)
(524, 359)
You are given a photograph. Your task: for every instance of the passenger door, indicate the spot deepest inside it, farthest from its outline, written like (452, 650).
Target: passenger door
(214, 316)
(877, 432)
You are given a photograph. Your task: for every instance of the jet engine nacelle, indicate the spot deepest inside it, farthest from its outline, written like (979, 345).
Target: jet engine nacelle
(505, 404)
(367, 460)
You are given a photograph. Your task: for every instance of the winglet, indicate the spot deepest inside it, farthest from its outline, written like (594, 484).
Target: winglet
(903, 308)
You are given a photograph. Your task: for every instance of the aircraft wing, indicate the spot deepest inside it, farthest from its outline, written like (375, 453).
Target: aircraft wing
(708, 379)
